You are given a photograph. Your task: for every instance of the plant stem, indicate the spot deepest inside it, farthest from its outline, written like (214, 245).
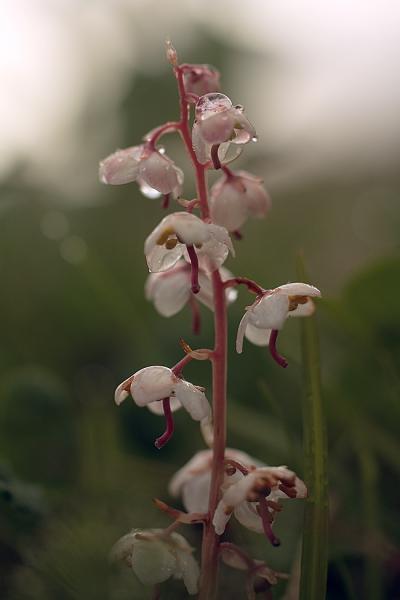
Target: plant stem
(209, 560)
(210, 543)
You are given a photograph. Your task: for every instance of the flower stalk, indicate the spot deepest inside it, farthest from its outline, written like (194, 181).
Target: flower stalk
(185, 254)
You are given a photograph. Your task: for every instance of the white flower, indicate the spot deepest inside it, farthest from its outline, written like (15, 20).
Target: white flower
(244, 497)
(171, 290)
(169, 241)
(192, 481)
(247, 483)
(155, 555)
(151, 385)
(235, 197)
(270, 311)
(155, 172)
(219, 122)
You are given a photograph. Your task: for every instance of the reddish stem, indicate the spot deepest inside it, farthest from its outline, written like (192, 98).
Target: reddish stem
(196, 320)
(187, 138)
(195, 269)
(209, 572)
(168, 127)
(177, 369)
(169, 428)
(165, 201)
(214, 156)
(237, 235)
(210, 543)
(281, 360)
(251, 285)
(266, 522)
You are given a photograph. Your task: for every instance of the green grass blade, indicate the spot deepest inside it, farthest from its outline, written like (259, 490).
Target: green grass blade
(315, 533)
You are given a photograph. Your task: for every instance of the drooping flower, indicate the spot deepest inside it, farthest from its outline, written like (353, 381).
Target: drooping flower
(171, 290)
(201, 79)
(235, 197)
(149, 386)
(247, 485)
(219, 122)
(182, 234)
(192, 481)
(267, 315)
(253, 497)
(155, 172)
(155, 555)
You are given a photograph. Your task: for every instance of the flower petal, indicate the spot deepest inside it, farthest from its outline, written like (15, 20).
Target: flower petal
(161, 259)
(169, 290)
(121, 393)
(160, 173)
(270, 312)
(247, 515)
(195, 493)
(241, 332)
(227, 205)
(187, 567)
(121, 167)
(152, 561)
(157, 407)
(221, 518)
(303, 310)
(199, 463)
(298, 289)
(257, 335)
(151, 384)
(192, 399)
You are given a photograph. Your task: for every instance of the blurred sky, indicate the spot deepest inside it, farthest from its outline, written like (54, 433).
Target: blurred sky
(320, 80)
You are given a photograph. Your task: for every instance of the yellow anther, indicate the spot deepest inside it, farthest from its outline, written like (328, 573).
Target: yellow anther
(171, 243)
(165, 235)
(294, 301)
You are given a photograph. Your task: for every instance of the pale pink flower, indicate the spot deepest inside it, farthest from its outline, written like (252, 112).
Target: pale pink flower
(243, 488)
(178, 232)
(171, 290)
(155, 172)
(235, 197)
(269, 312)
(155, 555)
(149, 386)
(192, 481)
(201, 80)
(219, 122)
(253, 497)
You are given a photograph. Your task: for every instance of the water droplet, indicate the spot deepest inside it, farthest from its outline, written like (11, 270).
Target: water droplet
(148, 191)
(239, 107)
(254, 138)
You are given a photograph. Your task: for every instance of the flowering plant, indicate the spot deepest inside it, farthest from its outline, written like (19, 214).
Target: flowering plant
(185, 254)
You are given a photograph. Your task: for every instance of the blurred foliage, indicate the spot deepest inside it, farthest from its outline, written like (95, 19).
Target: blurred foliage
(76, 473)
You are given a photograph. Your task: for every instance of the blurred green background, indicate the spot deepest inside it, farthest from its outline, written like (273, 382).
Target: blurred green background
(76, 473)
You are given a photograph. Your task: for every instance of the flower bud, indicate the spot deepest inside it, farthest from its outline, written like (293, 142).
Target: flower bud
(201, 80)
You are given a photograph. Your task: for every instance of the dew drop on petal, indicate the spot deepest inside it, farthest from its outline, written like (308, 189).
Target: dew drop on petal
(149, 192)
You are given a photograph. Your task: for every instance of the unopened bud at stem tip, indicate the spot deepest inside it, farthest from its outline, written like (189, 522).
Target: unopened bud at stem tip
(171, 53)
